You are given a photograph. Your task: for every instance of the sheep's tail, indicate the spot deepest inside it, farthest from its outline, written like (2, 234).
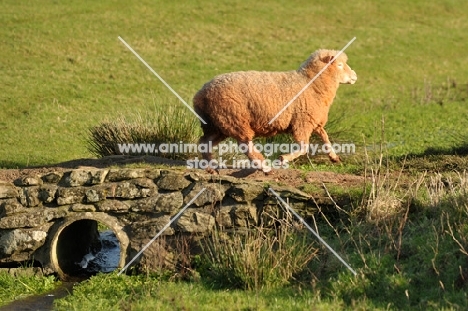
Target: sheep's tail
(200, 105)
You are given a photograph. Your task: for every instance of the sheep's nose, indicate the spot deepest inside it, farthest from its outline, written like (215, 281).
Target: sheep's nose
(353, 77)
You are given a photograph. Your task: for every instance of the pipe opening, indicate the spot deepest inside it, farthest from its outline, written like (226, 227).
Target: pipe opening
(86, 247)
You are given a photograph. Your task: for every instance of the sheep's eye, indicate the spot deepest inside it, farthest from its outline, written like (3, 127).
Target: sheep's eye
(340, 65)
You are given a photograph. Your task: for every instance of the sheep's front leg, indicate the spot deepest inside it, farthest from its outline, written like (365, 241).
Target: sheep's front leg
(301, 132)
(323, 134)
(293, 155)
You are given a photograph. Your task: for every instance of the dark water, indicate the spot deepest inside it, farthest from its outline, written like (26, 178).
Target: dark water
(40, 302)
(106, 260)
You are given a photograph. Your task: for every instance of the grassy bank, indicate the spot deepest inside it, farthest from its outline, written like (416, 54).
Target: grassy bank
(21, 286)
(407, 240)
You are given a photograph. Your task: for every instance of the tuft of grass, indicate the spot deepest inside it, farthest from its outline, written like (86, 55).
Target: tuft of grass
(164, 126)
(260, 258)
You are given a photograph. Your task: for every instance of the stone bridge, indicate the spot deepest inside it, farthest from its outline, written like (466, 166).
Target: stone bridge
(53, 220)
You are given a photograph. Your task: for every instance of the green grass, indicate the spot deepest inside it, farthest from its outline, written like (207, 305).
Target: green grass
(14, 288)
(109, 292)
(64, 71)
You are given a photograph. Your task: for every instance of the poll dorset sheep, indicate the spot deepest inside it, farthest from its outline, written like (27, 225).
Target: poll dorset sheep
(241, 104)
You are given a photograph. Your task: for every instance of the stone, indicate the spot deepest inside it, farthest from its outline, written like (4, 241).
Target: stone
(169, 203)
(29, 196)
(152, 174)
(54, 213)
(7, 190)
(99, 193)
(195, 176)
(22, 220)
(149, 228)
(244, 215)
(213, 193)
(244, 193)
(10, 206)
(224, 179)
(144, 183)
(128, 190)
(21, 240)
(113, 206)
(66, 196)
(172, 181)
(288, 192)
(195, 222)
(47, 193)
(142, 201)
(28, 181)
(158, 256)
(136, 188)
(93, 196)
(85, 176)
(223, 217)
(124, 174)
(52, 177)
(78, 207)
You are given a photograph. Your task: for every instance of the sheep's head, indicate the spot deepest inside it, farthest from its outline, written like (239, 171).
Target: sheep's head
(316, 62)
(344, 73)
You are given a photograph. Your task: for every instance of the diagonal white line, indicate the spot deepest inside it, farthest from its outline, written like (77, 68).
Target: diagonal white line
(310, 82)
(161, 231)
(161, 79)
(312, 230)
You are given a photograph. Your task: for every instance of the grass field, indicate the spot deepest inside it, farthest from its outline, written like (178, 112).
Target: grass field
(63, 70)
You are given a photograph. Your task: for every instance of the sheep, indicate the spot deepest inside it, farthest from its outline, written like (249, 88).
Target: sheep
(241, 104)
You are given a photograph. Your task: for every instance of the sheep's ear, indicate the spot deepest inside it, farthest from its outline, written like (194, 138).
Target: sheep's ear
(327, 59)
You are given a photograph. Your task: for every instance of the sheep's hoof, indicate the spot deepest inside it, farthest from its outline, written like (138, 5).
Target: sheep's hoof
(212, 171)
(269, 173)
(335, 160)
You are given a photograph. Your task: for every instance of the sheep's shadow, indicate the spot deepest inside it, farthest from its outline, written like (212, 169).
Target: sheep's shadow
(104, 162)
(244, 173)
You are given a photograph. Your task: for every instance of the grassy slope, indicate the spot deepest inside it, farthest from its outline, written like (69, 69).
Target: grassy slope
(64, 69)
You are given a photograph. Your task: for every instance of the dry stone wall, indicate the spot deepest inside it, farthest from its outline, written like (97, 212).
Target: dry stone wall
(136, 203)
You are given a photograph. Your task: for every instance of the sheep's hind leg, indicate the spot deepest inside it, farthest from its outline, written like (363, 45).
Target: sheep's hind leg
(256, 158)
(332, 155)
(215, 139)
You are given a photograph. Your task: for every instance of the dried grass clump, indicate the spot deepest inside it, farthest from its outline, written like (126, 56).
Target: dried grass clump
(166, 125)
(260, 258)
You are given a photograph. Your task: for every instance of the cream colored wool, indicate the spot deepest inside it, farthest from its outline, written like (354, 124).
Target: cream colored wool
(240, 104)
